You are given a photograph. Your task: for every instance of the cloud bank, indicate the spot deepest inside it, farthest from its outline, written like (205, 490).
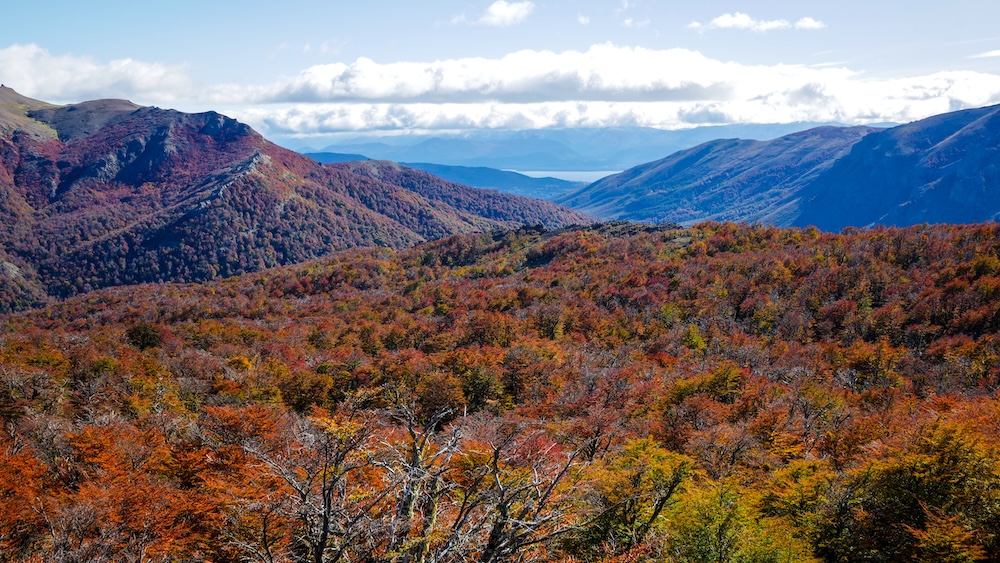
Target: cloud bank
(605, 85)
(602, 73)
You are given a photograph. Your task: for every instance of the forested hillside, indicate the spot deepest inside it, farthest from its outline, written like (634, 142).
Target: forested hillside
(614, 393)
(106, 193)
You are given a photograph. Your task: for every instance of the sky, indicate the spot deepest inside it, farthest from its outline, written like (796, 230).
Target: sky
(300, 70)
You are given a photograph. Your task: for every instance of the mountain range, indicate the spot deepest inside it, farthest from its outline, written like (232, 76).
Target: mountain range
(943, 169)
(107, 193)
(546, 188)
(557, 149)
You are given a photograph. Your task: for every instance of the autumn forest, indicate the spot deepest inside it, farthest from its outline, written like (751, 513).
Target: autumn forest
(616, 392)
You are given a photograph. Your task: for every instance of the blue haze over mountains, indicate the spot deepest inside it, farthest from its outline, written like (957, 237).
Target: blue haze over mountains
(564, 149)
(546, 188)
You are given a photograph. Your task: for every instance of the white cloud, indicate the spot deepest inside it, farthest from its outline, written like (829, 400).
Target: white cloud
(603, 72)
(793, 97)
(582, 19)
(828, 64)
(605, 85)
(36, 72)
(503, 13)
(809, 23)
(631, 22)
(740, 20)
(987, 55)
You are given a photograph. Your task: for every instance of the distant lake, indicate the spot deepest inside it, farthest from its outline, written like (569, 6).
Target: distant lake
(571, 175)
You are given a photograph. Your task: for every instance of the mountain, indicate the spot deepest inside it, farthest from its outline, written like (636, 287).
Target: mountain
(335, 157)
(477, 176)
(728, 179)
(108, 193)
(594, 148)
(943, 169)
(522, 151)
(546, 188)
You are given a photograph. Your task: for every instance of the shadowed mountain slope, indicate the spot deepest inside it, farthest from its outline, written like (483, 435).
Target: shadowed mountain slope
(944, 169)
(726, 179)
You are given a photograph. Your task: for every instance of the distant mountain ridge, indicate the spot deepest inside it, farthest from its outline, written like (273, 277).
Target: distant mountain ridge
(476, 176)
(943, 169)
(334, 157)
(565, 149)
(108, 193)
(722, 180)
(546, 188)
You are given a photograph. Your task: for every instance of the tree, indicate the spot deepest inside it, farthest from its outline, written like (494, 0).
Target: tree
(946, 477)
(22, 500)
(628, 494)
(514, 491)
(332, 490)
(715, 523)
(944, 539)
(144, 336)
(418, 463)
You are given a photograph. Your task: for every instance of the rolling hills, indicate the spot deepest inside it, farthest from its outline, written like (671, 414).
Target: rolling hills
(938, 170)
(107, 193)
(546, 188)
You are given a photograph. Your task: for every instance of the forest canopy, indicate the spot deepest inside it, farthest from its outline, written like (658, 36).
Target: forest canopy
(616, 392)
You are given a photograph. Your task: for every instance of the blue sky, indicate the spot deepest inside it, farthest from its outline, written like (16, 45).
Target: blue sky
(310, 68)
